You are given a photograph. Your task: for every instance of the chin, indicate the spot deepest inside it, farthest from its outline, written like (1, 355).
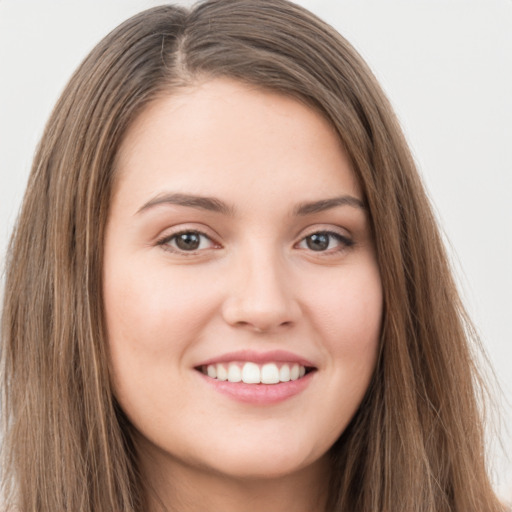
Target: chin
(260, 467)
(271, 460)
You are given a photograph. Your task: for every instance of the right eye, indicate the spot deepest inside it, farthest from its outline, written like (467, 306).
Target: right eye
(189, 241)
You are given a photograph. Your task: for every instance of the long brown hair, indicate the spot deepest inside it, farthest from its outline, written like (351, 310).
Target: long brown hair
(416, 442)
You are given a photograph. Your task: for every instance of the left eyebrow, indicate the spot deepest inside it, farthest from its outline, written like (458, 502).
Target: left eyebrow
(309, 208)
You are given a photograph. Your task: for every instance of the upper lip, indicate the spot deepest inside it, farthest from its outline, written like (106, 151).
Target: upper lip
(272, 356)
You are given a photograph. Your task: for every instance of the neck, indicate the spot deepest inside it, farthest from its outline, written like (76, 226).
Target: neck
(174, 486)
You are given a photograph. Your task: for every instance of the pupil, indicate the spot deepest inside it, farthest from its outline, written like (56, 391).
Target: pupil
(188, 241)
(318, 241)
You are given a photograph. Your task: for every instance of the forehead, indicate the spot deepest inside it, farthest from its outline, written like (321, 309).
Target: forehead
(222, 136)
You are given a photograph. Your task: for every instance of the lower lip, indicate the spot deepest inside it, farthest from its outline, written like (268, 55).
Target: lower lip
(259, 394)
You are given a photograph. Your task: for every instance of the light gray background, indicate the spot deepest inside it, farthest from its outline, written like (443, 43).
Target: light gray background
(447, 68)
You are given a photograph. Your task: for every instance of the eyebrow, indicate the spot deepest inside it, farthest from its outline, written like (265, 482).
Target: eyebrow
(216, 205)
(192, 201)
(309, 208)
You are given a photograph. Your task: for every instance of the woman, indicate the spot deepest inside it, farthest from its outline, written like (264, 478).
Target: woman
(227, 291)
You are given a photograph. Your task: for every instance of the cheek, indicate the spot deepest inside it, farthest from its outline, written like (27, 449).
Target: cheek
(153, 316)
(349, 310)
(347, 313)
(148, 307)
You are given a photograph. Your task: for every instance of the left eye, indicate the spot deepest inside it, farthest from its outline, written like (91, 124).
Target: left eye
(187, 241)
(324, 241)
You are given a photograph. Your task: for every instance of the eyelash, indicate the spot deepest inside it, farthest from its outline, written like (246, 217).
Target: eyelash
(343, 241)
(165, 241)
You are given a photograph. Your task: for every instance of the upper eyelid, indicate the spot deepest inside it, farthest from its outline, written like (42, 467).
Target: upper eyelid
(323, 228)
(171, 231)
(341, 237)
(170, 236)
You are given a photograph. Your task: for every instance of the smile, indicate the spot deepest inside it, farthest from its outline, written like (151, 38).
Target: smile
(253, 373)
(258, 378)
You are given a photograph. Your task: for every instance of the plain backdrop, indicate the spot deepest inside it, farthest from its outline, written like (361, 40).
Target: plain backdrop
(446, 65)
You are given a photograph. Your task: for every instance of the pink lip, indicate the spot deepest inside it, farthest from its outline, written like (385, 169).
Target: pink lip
(259, 394)
(272, 356)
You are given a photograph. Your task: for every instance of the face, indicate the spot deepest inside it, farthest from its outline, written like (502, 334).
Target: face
(242, 296)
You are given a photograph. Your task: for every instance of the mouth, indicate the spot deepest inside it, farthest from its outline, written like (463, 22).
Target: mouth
(249, 372)
(258, 378)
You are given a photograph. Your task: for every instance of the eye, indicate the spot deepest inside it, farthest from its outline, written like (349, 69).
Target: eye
(323, 241)
(187, 241)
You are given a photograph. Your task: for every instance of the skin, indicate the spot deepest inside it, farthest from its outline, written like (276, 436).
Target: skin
(254, 283)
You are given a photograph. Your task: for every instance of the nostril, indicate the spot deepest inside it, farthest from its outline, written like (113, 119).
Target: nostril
(260, 328)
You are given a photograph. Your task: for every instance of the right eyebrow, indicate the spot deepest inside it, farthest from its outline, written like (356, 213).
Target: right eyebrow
(190, 200)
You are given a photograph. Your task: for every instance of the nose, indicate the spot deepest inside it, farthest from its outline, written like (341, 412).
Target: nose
(261, 297)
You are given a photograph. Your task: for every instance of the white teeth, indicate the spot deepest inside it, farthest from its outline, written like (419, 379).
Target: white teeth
(234, 373)
(284, 373)
(222, 373)
(269, 374)
(252, 373)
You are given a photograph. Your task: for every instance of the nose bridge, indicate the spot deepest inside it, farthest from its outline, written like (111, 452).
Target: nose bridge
(260, 296)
